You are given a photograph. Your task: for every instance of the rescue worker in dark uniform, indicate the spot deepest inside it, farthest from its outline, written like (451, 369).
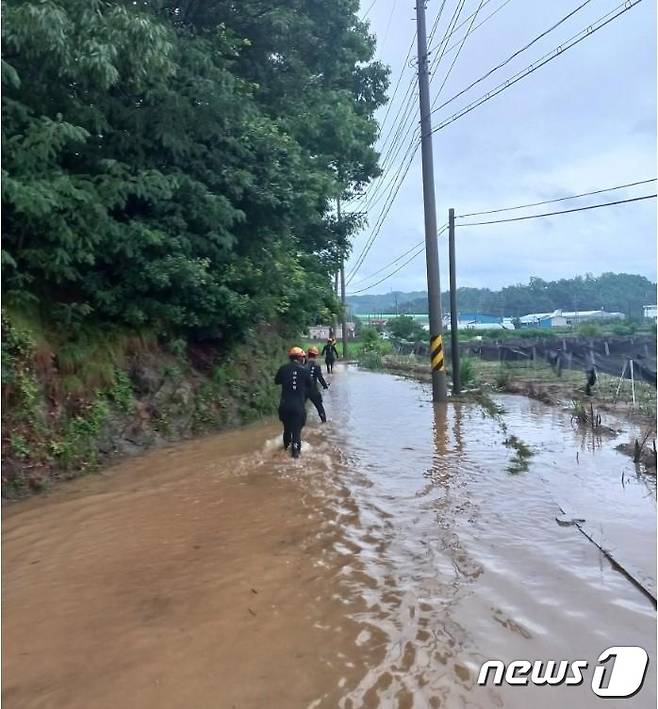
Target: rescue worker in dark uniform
(316, 375)
(296, 383)
(330, 354)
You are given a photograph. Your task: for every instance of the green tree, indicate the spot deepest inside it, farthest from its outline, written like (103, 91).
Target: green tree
(406, 328)
(175, 165)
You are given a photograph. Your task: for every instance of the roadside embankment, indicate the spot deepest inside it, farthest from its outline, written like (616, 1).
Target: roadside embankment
(71, 405)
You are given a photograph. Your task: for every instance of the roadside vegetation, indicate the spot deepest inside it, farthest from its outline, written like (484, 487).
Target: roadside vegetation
(169, 186)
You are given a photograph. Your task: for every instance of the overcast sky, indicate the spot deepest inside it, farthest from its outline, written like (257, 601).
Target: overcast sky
(585, 121)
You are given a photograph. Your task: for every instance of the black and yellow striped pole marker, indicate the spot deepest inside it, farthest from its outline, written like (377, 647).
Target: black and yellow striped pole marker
(436, 353)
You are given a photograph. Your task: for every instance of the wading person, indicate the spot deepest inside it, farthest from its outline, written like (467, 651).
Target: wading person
(315, 371)
(296, 383)
(330, 354)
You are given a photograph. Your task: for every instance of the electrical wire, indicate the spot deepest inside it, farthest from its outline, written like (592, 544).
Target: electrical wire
(557, 199)
(401, 256)
(414, 142)
(390, 17)
(367, 12)
(407, 105)
(397, 84)
(563, 211)
(560, 49)
(465, 20)
(486, 19)
(515, 54)
(461, 46)
(500, 221)
(393, 192)
(406, 108)
(390, 275)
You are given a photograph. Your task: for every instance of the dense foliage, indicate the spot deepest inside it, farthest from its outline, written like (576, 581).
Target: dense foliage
(406, 328)
(174, 165)
(619, 292)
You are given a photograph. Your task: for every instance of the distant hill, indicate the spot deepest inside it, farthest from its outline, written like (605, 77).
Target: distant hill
(622, 292)
(384, 303)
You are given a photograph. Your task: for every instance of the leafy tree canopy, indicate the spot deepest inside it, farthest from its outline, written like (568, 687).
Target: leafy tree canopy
(174, 165)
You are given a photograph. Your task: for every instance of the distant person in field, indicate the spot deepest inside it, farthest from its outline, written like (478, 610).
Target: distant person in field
(296, 384)
(314, 393)
(330, 354)
(591, 380)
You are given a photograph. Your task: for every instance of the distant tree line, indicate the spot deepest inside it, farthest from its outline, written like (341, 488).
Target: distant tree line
(175, 165)
(619, 292)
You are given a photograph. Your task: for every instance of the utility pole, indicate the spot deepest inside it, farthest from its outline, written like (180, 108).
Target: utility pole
(439, 388)
(454, 334)
(343, 299)
(334, 322)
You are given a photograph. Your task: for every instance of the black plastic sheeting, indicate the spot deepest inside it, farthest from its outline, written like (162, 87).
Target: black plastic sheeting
(610, 356)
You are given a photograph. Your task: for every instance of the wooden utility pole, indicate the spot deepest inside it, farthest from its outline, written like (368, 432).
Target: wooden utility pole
(454, 333)
(343, 299)
(439, 388)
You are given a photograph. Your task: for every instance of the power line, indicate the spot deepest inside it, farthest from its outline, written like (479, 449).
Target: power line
(450, 30)
(390, 17)
(461, 46)
(367, 12)
(392, 194)
(466, 19)
(563, 211)
(391, 263)
(557, 199)
(396, 146)
(390, 275)
(500, 221)
(405, 109)
(560, 49)
(486, 19)
(395, 260)
(407, 105)
(397, 84)
(514, 55)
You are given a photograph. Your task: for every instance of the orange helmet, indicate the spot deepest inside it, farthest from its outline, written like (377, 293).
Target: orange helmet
(313, 351)
(296, 352)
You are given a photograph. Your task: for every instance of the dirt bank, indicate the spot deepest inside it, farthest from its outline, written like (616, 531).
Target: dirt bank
(69, 408)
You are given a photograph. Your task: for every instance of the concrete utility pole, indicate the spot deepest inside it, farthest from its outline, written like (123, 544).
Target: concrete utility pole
(439, 388)
(454, 333)
(343, 300)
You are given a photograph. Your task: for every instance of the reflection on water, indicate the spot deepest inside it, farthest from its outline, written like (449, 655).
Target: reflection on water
(381, 569)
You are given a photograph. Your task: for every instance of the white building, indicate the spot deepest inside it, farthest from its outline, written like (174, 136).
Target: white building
(567, 318)
(322, 332)
(650, 311)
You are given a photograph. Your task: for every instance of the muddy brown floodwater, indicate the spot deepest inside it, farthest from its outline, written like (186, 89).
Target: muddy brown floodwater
(381, 569)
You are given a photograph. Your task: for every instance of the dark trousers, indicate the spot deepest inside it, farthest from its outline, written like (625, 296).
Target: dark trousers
(316, 398)
(293, 420)
(330, 365)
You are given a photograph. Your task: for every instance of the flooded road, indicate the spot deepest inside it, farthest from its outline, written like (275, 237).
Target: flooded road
(380, 569)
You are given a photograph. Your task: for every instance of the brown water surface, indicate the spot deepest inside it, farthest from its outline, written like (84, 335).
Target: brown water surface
(381, 569)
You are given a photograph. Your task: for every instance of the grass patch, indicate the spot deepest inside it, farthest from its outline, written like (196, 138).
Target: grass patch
(467, 373)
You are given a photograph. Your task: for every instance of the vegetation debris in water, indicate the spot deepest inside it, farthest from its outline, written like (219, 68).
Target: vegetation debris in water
(522, 454)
